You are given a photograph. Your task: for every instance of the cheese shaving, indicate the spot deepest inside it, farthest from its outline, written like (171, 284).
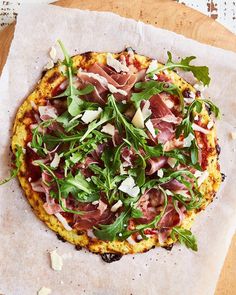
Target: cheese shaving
(44, 291)
(56, 261)
(91, 115)
(152, 66)
(128, 187)
(116, 64)
(108, 129)
(150, 128)
(138, 120)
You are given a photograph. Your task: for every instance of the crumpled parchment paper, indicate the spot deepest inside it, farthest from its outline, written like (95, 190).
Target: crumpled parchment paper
(25, 241)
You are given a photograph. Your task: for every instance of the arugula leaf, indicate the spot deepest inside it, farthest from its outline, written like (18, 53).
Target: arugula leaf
(201, 73)
(150, 88)
(73, 101)
(185, 237)
(194, 152)
(213, 107)
(17, 163)
(136, 213)
(75, 184)
(109, 232)
(134, 135)
(80, 188)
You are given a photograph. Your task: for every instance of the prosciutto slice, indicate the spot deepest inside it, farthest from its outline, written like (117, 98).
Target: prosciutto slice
(122, 81)
(163, 119)
(156, 164)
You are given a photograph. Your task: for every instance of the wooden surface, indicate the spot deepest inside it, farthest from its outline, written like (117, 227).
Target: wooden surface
(180, 19)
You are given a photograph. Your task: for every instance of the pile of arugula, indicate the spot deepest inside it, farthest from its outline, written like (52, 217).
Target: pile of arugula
(74, 145)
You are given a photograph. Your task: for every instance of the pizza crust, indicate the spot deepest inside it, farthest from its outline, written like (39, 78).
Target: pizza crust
(43, 91)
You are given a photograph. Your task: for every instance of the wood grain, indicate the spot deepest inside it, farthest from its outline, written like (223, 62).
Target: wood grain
(180, 19)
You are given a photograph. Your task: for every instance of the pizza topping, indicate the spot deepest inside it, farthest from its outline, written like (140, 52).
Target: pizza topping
(200, 129)
(115, 64)
(138, 119)
(150, 128)
(47, 112)
(63, 221)
(90, 115)
(128, 186)
(109, 129)
(152, 66)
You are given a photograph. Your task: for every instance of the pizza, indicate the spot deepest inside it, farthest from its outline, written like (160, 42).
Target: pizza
(117, 153)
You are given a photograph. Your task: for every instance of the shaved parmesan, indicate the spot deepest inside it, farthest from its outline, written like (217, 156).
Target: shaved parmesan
(138, 120)
(63, 221)
(210, 124)
(171, 162)
(49, 65)
(44, 291)
(91, 234)
(116, 64)
(128, 187)
(233, 135)
(152, 66)
(116, 206)
(113, 89)
(109, 129)
(56, 260)
(91, 115)
(188, 140)
(202, 177)
(47, 111)
(56, 160)
(146, 110)
(95, 202)
(160, 173)
(200, 129)
(131, 241)
(199, 86)
(150, 128)
(53, 53)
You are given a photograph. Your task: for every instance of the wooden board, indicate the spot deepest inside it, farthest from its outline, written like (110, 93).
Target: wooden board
(175, 17)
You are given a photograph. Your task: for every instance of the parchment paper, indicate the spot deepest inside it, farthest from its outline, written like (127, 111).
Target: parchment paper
(25, 241)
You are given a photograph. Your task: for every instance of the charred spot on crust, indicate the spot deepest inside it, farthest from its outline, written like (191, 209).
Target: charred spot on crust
(111, 257)
(168, 247)
(223, 176)
(198, 93)
(43, 73)
(87, 55)
(186, 93)
(54, 76)
(80, 232)
(60, 238)
(218, 149)
(78, 247)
